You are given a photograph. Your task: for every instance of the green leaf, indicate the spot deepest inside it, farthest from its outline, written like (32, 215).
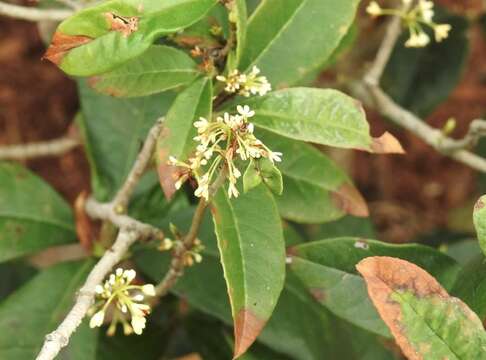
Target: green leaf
(251, 244)
(412, 77)
(426, 322)
(158, 69)
(33, 216)
(327, 269)
(315, 189)
(13, 275)
(479, 217)
(288, 40)
(470, 286)
(37, 308)
(322, 116)
(114, 131)
(96, 40)
(177, 136)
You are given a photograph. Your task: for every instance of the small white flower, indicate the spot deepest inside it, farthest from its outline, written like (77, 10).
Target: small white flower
(373, 9)
(275, 156)
(245, 111)
(138, 297)
(99, 289)
(138, 324)
(417, 40)
(442, 31)
(232, 191)
(97, 319)
(130, 275)
(148, 290)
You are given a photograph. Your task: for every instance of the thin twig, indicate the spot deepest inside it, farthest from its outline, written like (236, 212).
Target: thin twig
(387, 107)
(33, 14)
(130, 231)
(122, 197)
(386, 49)
(58, 339)
(431, 136)
(176, 269)
(54, 147)
(107, 211)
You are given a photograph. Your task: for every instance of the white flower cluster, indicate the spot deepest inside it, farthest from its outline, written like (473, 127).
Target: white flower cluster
(125, 299)
(246, 84)
(415, 18)
(221, 142)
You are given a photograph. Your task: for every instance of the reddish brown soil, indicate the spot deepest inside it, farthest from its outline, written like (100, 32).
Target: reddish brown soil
(37, 102)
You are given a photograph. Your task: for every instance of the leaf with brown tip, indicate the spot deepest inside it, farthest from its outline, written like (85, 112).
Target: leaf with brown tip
(386, 144)
(251, 245)
(61, 45)
(425, 320)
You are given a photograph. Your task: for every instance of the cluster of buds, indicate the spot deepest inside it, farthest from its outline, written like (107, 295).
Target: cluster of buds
(122, 300)
(246, 84)
(190, 257)
(222, 142)
(415, 18)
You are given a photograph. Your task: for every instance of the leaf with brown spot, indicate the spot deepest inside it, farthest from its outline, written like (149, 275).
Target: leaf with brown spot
(426, 322)
(327, 269)
(123, 24)
(177, 135)
(251, 246)
(119, 31)
(61, 44)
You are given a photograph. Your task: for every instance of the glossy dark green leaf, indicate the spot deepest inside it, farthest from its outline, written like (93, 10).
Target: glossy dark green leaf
(240, 14)
(289, 39)
(33, 216)
(158, 69)
(100, 38)
(327, 269)
(322, 116)
(315, 189)
(114, 131)
(251, 245)
(37, 308)
(412, 77)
